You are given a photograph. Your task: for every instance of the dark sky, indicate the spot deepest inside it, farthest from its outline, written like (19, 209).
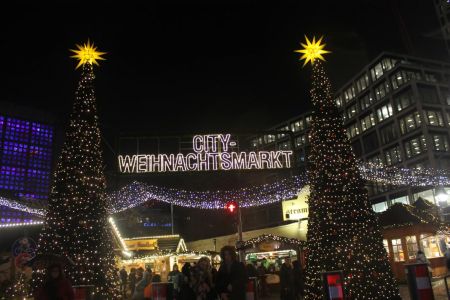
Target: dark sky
(193, 67)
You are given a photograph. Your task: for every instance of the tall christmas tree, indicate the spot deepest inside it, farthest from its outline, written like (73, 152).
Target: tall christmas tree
(343, 231)
(76, 223)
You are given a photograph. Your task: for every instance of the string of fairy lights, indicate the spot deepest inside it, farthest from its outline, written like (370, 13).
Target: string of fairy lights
(137, 193)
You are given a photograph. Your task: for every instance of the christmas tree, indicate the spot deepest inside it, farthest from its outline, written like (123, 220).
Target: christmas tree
(76, 223)
(343, 231)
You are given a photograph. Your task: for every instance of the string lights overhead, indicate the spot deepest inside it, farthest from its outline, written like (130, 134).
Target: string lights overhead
(137, 193)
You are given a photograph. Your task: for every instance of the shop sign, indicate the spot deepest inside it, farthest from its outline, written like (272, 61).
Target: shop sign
(296, 209)
(268, 246)
(143, 244)
(211, 152)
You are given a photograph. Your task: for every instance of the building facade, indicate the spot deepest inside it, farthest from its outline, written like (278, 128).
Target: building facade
(397, 113)
(26, 159)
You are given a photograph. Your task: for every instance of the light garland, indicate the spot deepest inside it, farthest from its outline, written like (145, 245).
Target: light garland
(117, 232)
(7, 225)
(171, 253)
(21, 207)
(153, 237)
(138, 193)
(270, 237)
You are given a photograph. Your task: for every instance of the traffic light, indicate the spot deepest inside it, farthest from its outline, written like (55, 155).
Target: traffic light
(231, 207)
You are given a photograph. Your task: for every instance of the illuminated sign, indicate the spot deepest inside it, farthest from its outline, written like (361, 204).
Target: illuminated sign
(212, 152)
(144, 244)
(297, 209)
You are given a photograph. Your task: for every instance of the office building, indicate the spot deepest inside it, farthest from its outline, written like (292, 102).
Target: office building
(397, 113)
(26, 159)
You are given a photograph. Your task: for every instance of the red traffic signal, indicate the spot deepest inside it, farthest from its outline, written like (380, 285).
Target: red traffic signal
(231, 207)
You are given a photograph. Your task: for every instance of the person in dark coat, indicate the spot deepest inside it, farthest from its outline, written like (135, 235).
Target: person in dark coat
(298, 279)
(56, 286)
(123, 281)
(251, 270)
(232, 276)
(186, 292)
(287, 280)
(132, 280)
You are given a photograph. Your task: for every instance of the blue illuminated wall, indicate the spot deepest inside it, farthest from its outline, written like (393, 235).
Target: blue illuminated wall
(25, 163)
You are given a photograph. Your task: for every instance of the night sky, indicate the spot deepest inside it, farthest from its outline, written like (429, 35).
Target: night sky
(200, 67)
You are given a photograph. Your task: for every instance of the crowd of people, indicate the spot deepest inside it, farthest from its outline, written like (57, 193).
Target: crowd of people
(193, 282)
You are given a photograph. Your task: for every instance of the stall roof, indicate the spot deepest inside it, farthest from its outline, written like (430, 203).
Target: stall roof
(420, 212)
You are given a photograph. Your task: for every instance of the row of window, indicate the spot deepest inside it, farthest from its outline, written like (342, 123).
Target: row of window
(413, 147)
(427, 94)
(296, 126)
(407, 124)
(394, 82)
(429, 244)
(400, 102)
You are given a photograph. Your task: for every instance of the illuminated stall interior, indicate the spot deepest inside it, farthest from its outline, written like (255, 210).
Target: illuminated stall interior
(271, 250)
(408, 228)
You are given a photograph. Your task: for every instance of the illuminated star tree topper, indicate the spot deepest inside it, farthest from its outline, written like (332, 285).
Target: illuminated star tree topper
(312, 50)
(87, 53)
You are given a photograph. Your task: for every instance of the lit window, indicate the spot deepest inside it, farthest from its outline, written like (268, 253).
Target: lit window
(269, 138)
(434, 118)
(384, 112)
(404, 100)
(282, 135)
(397, 250)
(308, 121)
(380, 207)
(349, 94)
(362, 83)
(300, 141)
(297, 126)
(338, 101)
(366, 101)
(430, 246)
(353, 130)
(440, 142)
(410, 122)
(415, 146)
(376, 72)
(367, 122)
(411, 246)
(403, 76)
(386, 247)
(351, 111)
(393, 155)
(381, 90)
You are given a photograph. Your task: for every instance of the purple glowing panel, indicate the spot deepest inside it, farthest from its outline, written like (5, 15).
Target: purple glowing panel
(2, 121)
(38, 183)
(25, 162)
(14, 154)
(17, 130)
(12, 178)
(40, 157)
(41, 134)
